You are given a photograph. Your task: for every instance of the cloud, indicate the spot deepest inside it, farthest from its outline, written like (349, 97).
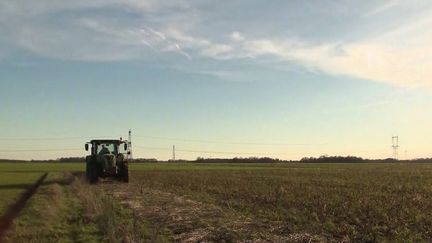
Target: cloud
(217, 50)
(28, 8)
(187, 40)
(79, 30)
(138, 30)
(402, 56)
(236, 36)
(406, 66)
(178, 49)
(382, 8)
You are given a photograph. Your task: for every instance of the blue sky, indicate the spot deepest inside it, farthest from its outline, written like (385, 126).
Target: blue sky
(284, 79)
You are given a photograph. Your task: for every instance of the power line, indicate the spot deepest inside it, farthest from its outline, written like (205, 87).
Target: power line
(160, 138)
(129, 144)
(173, 151)
(50, 138)
(223, 142)
(198, 151)
(395, 146)
(40, 139)
(37, 150)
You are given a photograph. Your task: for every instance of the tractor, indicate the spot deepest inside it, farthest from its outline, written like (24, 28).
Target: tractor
(107, 160)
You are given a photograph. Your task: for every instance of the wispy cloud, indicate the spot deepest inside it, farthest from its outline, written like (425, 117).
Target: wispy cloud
(382, 8)
(402, 56)
(399, 55)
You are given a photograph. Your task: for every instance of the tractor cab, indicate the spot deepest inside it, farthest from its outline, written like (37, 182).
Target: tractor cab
(114, 147)
(107, 159)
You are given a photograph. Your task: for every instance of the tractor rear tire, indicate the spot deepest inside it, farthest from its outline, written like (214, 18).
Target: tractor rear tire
(124, 173)
(94, 178)
(91, 171)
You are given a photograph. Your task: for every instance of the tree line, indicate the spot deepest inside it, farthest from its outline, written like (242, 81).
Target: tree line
(321, 159)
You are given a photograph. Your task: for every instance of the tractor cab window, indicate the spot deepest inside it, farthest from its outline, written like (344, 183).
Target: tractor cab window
(122, 150)
(106, 148)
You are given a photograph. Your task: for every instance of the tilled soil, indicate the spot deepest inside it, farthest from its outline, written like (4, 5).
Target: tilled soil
(186, 220)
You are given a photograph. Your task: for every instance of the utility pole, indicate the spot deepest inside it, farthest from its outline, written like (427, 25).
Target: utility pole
(129, 148)
(173, 151)
(395, 146)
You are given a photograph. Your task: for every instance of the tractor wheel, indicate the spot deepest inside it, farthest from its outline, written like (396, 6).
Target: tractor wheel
(88, 173)
(88, 167)
(91, 171)
(124, 173)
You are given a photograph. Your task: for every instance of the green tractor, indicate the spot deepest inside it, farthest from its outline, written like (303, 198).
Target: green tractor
(107, 160)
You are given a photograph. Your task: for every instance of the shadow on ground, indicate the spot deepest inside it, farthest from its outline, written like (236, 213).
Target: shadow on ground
(66, 180)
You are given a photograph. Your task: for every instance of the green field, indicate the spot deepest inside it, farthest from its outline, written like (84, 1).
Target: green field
(225, 202)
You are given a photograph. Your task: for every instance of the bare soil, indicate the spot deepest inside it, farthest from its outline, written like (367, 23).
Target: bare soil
(186, 220)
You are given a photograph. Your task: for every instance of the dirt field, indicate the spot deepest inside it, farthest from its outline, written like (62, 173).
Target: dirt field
(230, 203)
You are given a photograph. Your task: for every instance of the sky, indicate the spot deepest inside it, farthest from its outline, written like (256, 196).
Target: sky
(238, 78)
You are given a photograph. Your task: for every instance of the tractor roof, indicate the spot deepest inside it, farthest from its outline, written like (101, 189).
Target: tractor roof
(116, 141)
